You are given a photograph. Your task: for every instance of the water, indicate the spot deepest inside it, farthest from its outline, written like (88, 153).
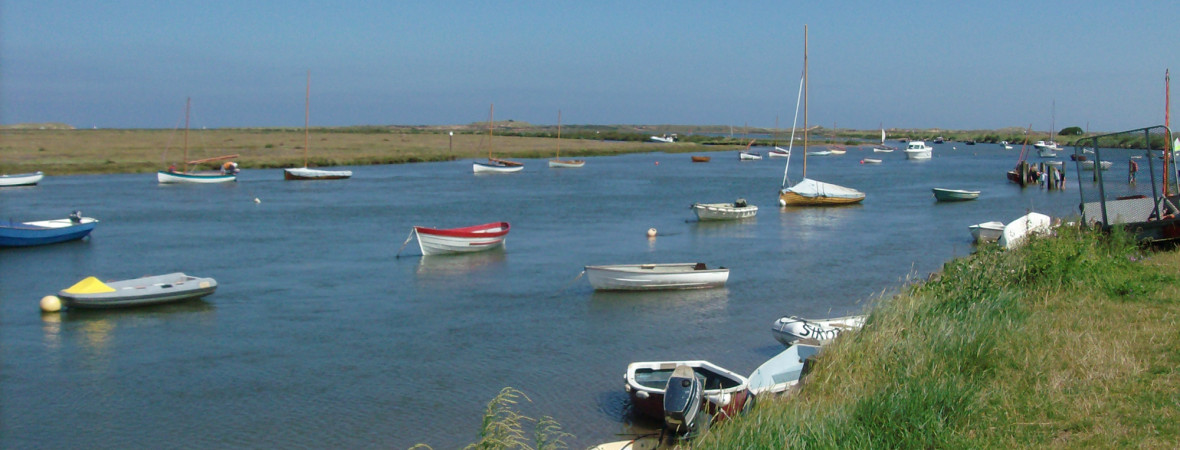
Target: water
(319, 337)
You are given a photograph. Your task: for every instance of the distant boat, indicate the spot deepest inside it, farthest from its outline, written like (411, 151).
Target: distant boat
(778, 152)
(21, 179)
(306, 173)
(229, 170)
(837, 150)
(1089, 165)
(24, 234)
(790, 329)
(1005, 145)
(557, 162)
(700, 159)
(1017, 231)
(987, 231)
(783, 371)
(726, 392)
(1045, 150)
(724, 211)
(954, 195)
(495, 165)
(665, 138)
(882, 148)
(870, 161)
(810, 192)
(649, 277)
(918, 150)
(819, 153)
(92, 293)
(1023, 174)
(476, 238)
(746, 155)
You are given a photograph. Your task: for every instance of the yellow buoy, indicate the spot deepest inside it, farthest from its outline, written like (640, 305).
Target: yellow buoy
(651, 232)
(50, 303)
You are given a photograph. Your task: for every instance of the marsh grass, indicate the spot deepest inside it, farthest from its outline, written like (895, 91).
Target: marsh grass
(1068, 341)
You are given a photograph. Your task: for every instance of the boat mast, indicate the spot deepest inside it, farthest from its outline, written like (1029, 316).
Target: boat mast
(187, 102)
(558, 134)
(491, 120)
(306, 119)
(805, 88)
(1167, 116)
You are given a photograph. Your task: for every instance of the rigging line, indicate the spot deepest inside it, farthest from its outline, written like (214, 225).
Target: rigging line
(791, 144)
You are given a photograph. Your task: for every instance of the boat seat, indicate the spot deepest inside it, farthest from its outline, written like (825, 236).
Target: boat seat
(699, 266)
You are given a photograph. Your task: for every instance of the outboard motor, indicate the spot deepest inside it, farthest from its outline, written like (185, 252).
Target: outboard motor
(683, 398)
(740, 203)
(76, 216)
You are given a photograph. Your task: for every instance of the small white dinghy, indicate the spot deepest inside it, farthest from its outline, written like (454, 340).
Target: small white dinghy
(1017, 231)
(789, 330)
(987, 231)
(724, 211)
(649, 277)
(781, 372)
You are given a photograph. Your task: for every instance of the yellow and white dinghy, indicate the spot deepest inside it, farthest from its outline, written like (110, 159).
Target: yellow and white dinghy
(92, 293)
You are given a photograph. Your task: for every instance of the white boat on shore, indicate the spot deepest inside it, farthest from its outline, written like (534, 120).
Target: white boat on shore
(1017, 231)
(987, 231)
(783, 371)
(724, 211)
(648, 277)
(21, 179)
(790, 329)
(918, 150)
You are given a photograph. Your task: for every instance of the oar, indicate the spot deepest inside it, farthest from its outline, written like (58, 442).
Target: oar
(403, 247)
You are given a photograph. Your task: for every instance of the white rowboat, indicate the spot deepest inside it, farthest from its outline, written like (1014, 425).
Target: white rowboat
(648, 277)
(21, 179)
(477, 238)
(724, 211)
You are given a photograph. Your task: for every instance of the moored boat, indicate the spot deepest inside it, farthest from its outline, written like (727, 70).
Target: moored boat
(954, 195)
(790, 329)
(21, 179)
(747, 155)
(152, 290)
(811, 192)
(557, 162)
(870, 161)
(778, 152)
(725, 392)
(24, 234)
(724, 211)
(476, 238)
(493, 167)
(304, 173)
(987, 231)
(700, 158)
(648, 277)
(918, 150)
(229, 169)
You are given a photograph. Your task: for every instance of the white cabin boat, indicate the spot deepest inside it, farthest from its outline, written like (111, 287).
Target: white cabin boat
(918, 150)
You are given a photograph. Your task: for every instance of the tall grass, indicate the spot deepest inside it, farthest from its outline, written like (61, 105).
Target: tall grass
(1068, 341)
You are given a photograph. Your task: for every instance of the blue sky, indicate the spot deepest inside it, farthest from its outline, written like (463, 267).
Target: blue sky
(956, 65)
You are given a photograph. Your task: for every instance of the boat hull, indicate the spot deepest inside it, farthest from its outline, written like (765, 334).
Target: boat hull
(725, 393)
(723, 211)
(778, 153)
(749, 156)
(987, 231)
(1017, 231)
(791, 329)
(954, 195)
(477, 238)
(651, 277)
(166, 177)
(304, 173)
(21, 179)
(44, 232)
(566, 164)
(782, 371)
(144, 291)
(494, 168)
(700, 159)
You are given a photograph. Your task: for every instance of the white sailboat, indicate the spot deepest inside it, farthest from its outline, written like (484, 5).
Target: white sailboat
(495, 165)
(228, 172)
(306, 173)
(810, 192)
(557, 162)
(882, 148)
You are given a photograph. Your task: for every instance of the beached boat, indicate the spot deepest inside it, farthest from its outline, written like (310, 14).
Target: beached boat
(778, 152)
(987, 231)
(21, 179)
(557, 162)
(476, 238)
(725, 392)
(1017, 231)
(665, 138)
(783, 371)
(810, 192)
(683, 398)
(229, 169)
(24, 234)
(954, 195)
(918, 150)
(725, 211)
(789, 330)
(92, 293)
(700, 159)
(305, 172)
(495, 165)
(648, 277)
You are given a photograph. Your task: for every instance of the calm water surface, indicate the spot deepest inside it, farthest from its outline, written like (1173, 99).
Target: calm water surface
(319, 337)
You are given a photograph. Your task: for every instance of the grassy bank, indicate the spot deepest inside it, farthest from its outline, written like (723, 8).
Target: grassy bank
(1070, 341)
(62, 152)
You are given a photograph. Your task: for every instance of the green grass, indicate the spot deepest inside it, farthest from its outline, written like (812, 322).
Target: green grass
(1070, 341)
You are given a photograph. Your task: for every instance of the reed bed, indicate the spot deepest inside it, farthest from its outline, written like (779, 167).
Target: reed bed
(1070, 341)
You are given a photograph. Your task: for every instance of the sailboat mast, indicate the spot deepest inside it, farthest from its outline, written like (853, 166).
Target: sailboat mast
(491, 120)
(306, 119)
(805, 88)
(559, 133)
(187, 103)
(1167, 139)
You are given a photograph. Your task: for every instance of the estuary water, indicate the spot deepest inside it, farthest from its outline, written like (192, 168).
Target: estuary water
(319, 337)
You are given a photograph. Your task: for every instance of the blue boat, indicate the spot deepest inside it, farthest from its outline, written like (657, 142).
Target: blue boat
(23, 234)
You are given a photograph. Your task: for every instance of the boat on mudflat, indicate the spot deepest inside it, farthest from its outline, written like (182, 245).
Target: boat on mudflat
(650, 277)
(24, 234)
(790, 329)
(476, 238)
(724, 211)
(152, 290)
(954, 195)
(21, 179)
(725, 392)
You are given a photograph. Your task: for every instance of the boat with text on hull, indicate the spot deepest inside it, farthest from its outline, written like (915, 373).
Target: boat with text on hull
(790, 329)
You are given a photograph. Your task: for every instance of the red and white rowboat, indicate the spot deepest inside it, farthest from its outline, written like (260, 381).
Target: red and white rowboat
(435, 241)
